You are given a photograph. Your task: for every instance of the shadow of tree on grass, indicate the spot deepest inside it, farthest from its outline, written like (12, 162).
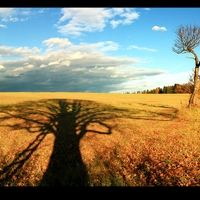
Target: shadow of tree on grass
(68, 121)
(162, 112)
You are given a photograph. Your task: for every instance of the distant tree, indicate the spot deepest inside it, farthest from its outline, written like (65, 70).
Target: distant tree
(178, 88)
(188, 87)
(188, 38)
(168, 89)
(165, 89)
(157, 90)
(144, 92)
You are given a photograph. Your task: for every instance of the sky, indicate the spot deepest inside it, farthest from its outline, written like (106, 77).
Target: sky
(94, 49)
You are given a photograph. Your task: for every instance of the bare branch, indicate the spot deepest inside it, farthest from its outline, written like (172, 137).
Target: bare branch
(187, 39)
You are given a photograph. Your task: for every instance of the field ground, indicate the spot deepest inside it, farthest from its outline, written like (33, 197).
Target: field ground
(96, 139)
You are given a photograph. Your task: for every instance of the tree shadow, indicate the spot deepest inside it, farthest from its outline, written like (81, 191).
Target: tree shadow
(167, 113)
(68, 121)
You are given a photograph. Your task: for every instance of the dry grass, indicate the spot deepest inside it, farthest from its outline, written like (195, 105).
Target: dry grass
(98, 140)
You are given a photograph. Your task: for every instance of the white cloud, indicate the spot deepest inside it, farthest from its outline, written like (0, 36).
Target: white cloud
(99, 46)
(13, 19)
(141, 48)
(20, 51)
(26, 12)
(58, 42)
(165, 79)
(26, 50)
(65, 63)
(158, 28)
(115, 23)
(110, 68)
(147, 82)
(118, 11)
(83, 19)
(18, 69)
(23, 19)
(41, 11)
(17, 14)
(129, 17)
(83, 67)
(79, 20)
(2, 26)
(43, 65)
(54, 63)
(6, 12)
(76, 55)
(30, 66)
(2, 67)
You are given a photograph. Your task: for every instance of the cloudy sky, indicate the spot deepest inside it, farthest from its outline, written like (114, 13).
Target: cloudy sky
(92, 49)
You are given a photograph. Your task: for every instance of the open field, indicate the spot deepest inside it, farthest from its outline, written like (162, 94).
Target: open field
(96, 139)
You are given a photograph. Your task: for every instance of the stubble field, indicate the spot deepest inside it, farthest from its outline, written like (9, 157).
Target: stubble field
(93, 139)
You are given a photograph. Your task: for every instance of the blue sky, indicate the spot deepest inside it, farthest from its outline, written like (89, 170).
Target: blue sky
(95, 49)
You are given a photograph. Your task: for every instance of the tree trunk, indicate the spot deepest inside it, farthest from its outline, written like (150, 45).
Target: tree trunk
(194, 95)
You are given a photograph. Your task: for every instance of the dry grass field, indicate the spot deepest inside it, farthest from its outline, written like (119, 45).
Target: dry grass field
(95, 139)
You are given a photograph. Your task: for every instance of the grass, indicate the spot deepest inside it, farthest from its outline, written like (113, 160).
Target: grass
(98, 140)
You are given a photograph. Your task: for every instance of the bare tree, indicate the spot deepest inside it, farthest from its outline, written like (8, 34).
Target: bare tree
(188, 38)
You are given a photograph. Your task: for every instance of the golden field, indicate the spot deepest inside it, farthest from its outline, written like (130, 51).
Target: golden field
(96, 139)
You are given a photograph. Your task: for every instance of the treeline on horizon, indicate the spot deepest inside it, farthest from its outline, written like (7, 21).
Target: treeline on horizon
(172, 89)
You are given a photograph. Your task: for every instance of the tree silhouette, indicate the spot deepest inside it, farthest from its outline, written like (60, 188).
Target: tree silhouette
(188, 38)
